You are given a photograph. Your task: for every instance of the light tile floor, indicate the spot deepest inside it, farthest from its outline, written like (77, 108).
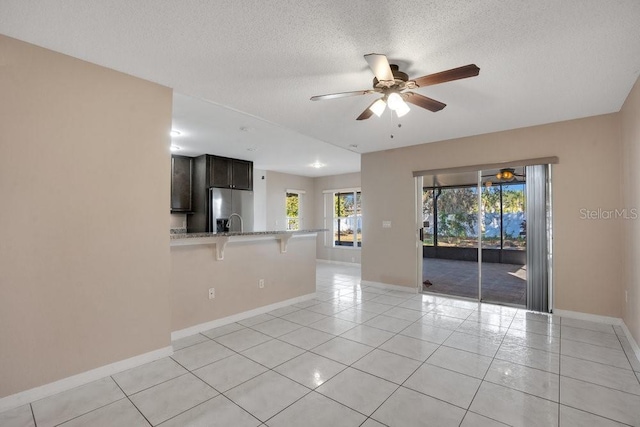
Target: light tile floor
(361, 356)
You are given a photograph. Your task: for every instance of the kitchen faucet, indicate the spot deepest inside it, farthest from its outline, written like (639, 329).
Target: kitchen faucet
(241, 222)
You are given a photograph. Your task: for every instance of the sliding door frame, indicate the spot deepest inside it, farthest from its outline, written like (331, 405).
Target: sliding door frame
(418, 175)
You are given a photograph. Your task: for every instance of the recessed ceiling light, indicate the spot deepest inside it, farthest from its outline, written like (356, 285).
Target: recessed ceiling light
(251, 149)
(175, 148)
(317, 165)
(245, 129)
(353, 145)
(175, 132)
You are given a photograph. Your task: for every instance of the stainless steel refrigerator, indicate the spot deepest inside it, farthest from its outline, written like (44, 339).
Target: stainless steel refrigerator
(223, 203)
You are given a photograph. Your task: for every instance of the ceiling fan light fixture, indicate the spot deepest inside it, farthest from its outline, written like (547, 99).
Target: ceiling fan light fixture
(402, 109)
(393, 83)
(505, 175)
(394, 101)
(378, 107)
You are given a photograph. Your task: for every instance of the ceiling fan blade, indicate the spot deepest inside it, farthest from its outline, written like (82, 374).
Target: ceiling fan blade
(380, 67)
(342, 94)
(367, 113)
(463, 72)
(423, 101)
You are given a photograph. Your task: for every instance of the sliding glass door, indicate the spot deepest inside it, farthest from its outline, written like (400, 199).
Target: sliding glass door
(475, 235)
(450, 244)
(503, 223)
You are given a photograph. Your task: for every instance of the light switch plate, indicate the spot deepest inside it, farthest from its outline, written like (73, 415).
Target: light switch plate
(386, 224)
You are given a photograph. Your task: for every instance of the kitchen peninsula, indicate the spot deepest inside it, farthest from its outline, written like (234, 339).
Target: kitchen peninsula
(250, 273)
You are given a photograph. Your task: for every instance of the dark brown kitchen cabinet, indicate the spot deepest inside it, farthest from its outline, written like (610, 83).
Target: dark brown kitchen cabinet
(220, 171)
(242, 175)
(230, 173)
(215, 171)
(181, 183)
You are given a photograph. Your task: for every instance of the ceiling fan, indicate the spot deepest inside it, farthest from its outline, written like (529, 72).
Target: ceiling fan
(505, 175)
(394, 85)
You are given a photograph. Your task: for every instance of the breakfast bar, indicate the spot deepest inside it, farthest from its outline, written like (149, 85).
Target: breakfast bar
(220, 278)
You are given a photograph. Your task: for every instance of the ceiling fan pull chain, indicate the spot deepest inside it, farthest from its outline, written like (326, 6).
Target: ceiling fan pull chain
(391, 113)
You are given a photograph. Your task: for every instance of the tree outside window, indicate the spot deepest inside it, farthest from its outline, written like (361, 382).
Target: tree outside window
(452, 213)
(347, 219)
(293, 211)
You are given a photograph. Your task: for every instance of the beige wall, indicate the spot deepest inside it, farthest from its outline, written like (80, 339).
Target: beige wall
(586, 253)
(325, 249)
(259, 199)
(630, 125)
(277, 185)
(194, 269)
(84, 256)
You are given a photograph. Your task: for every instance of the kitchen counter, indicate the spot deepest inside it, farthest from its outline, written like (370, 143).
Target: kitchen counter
(178, 236)
(222, 239)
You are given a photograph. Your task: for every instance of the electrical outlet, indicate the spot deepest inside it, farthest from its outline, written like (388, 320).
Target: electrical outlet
(261, 283)
(386, 224)
(212, 293)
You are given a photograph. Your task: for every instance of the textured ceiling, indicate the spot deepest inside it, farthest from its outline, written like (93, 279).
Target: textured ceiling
(209, 128)
(541, 61)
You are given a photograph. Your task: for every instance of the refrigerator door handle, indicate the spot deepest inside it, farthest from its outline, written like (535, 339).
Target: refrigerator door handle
(209, 215)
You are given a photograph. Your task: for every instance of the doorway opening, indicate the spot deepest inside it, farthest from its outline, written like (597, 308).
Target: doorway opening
(473, 235)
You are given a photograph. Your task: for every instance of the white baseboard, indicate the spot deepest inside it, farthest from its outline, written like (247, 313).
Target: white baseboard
(68, 383)
(589, 317)
(632, 341)
(328, 261)
(615, 321)
(192, 330)
(389, 287)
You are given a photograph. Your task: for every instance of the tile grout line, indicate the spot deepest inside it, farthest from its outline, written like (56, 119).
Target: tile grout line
(310, 390)
(33, 415)
(626, 355)
(209, 385)
(346, 367)
(596, 415)
(131, 401)
(373, 348)
(414, 371)
(93, 410)
(487, 371)
(560, 382)
(277, 373)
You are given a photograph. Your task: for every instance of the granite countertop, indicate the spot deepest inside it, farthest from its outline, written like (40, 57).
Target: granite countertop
(246, 233)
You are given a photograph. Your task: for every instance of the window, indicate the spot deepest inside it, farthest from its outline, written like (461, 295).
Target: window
(347, 219)
(513, 216)
(450, 216)
(457, 216)
(504, 225)
(293, 208)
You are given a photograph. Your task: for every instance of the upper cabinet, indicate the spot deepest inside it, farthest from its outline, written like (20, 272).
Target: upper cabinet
(220, 168)
(215, 171)
(242, 175)
(231, 173)
(181, 183)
